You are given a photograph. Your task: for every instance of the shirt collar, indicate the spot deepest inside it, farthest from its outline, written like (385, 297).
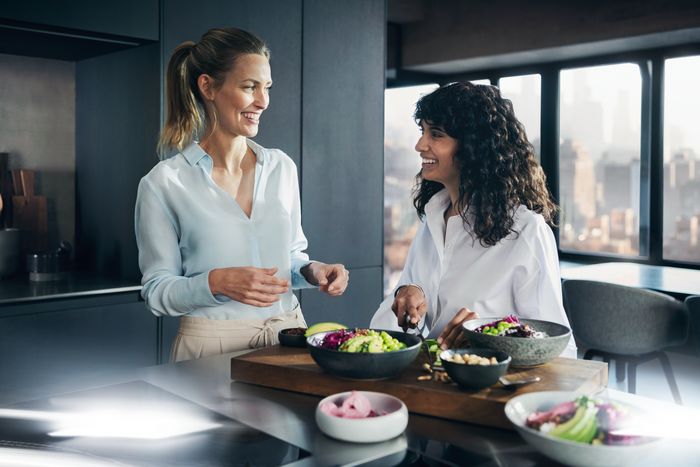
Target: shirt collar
(195, 155)
(437, 204)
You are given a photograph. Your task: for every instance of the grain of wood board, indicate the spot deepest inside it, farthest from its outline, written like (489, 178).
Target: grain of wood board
(293, 369)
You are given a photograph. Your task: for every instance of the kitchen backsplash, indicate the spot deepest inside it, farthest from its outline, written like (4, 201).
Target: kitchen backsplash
(37, 129)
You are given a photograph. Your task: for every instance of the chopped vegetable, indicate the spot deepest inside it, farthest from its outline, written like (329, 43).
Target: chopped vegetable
(510, 326)
(361, 341)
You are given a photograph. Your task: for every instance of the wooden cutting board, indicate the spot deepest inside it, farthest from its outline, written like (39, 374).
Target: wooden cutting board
(29, 212)
(293, 369)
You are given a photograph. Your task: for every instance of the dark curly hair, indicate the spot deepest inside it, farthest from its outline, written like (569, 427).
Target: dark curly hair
(498, 170)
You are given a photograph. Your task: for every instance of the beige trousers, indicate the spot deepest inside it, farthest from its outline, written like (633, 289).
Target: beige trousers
(202, 337)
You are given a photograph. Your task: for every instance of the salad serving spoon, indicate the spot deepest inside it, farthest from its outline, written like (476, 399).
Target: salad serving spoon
(511, 383)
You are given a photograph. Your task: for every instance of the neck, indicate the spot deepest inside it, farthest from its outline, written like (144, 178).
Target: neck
(226, 153)
(453, 191)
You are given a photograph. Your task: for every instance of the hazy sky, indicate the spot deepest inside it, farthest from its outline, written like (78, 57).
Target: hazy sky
(616, 88)
(682, 104)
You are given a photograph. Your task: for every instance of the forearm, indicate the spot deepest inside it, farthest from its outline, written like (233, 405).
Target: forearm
(177, 295)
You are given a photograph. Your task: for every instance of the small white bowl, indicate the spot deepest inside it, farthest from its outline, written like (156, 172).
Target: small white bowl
(365, 430)
(569, 452)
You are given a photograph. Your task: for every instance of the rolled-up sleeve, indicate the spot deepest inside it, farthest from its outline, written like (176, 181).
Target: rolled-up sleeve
(166, 291)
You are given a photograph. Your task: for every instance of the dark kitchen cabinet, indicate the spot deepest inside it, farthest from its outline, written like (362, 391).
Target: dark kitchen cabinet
(279, 23)
(54, 341)
(117, 125)
(126, 18)
(343, 131)
(342, 168)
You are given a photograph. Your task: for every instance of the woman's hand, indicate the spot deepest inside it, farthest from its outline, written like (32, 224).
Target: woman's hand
(330, 278)
(452, 335)
(409, 306)
(249, 285)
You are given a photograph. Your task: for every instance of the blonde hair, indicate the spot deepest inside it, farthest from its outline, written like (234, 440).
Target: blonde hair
(214, 55)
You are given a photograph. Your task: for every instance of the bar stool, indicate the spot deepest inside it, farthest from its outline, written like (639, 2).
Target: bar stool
(626, 324)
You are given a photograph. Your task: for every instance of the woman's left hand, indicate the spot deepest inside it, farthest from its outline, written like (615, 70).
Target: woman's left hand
(330, 278)
(452, 335)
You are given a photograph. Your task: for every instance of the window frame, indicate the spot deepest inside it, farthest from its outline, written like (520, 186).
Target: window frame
(651, 63)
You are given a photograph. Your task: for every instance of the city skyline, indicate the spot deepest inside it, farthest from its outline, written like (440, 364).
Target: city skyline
(599, 158)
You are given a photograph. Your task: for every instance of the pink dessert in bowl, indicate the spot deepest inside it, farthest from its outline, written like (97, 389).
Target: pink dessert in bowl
(362, 416)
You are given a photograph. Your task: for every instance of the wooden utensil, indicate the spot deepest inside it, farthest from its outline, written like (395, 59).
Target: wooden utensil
(17, 183)
(29, 212)
(5, 191)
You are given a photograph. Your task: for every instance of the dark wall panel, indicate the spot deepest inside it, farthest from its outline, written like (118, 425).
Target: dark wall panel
(343, 131)
(117, 115)
(278, 23)
(354, 308)
(131, 18)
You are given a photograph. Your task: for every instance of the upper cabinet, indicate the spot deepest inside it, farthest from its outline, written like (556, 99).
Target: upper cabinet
(137, 19)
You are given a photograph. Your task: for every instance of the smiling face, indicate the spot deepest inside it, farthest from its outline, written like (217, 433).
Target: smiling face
(242, 97)
(437, 150)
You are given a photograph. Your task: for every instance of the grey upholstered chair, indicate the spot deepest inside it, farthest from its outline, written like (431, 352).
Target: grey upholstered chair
(693, 304)
(627, 324)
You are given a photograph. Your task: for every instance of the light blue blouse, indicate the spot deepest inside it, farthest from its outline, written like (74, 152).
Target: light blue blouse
(186, 225)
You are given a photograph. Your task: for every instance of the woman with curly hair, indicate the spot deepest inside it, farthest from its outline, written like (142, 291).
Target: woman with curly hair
(485, 246)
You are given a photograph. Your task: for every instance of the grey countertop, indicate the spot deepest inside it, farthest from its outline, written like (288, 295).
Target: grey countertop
(19, 289)
(290, 417)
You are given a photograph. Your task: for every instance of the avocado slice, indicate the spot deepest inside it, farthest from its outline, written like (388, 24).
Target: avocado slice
(323, 327)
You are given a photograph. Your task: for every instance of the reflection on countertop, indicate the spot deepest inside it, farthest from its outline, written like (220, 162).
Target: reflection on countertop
(19, 289)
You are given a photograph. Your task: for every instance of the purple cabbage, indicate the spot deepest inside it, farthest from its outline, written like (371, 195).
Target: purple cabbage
(334, 339)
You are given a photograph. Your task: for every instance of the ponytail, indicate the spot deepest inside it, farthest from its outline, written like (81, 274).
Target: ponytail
(185, 117)
(214, 55)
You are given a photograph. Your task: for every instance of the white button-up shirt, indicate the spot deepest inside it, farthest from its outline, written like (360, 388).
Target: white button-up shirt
(519, 275)
(186, 225)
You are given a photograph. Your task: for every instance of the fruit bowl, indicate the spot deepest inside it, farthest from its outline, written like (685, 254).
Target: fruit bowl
(525, 351)
(566, 451)
(365, 365)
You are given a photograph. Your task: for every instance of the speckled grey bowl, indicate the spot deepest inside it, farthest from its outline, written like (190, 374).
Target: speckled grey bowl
(525, 351)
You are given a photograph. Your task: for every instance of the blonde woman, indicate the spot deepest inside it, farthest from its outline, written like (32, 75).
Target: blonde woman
(218, 225)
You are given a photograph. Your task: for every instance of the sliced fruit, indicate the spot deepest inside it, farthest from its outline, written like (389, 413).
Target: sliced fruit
(323, 327)
(582, 428)
(587, 436)
(560, 430)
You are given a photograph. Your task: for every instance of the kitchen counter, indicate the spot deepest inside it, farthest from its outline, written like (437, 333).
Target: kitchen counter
(290, 417)
(19, 289)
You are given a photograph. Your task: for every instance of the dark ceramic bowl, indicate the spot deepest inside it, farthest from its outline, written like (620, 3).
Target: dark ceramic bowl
(525, 351)
(475, 376)
(365, 365)
(292, 340)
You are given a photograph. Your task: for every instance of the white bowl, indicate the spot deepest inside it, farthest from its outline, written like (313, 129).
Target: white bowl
(569, 452)
(365, 430)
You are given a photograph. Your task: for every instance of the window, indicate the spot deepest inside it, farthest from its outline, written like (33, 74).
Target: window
(597, 124)
(401, 165)
(480, 81)
(524, 92)
(681, 192)
(599, 159)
